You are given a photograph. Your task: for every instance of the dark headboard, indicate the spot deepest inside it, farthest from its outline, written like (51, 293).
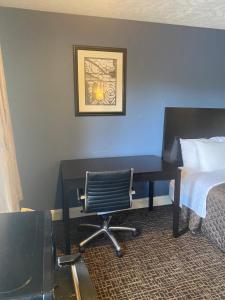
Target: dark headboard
(189, 123)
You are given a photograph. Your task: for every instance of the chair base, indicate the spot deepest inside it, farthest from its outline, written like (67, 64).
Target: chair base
(107, 230)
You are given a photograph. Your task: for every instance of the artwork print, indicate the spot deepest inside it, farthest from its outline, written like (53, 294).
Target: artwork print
(100, 75)
(100, 81)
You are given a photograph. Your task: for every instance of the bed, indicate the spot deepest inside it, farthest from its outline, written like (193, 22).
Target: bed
(202, 125)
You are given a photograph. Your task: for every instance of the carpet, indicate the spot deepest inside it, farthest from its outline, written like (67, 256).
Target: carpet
(155, 265)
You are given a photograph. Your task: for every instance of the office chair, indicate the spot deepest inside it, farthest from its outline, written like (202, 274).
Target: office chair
(105, 193)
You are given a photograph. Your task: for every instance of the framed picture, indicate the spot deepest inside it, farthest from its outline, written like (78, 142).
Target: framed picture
(100, 80)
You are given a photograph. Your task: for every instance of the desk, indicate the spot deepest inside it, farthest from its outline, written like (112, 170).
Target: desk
(146, 168)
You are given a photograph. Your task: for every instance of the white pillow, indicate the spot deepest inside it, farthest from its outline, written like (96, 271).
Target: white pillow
(211, 155)
(190, 154)
(218, 138)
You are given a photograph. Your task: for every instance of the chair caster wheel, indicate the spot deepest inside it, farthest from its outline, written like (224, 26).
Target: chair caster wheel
(81, 249)
(135, 233)
(119, 253)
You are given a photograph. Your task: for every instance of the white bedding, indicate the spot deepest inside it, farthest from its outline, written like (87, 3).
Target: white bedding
(195, 187)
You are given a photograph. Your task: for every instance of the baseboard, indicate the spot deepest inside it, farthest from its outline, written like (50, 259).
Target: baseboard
(75, 212)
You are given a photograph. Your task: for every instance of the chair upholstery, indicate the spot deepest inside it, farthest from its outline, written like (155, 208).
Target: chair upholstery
(108, 191)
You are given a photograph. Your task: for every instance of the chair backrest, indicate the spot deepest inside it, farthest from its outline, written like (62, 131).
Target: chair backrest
(108, 191)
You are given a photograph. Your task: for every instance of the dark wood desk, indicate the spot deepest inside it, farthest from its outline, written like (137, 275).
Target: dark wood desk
(146, 168)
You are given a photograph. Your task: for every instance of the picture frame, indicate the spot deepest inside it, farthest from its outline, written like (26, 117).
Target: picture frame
(99, 80)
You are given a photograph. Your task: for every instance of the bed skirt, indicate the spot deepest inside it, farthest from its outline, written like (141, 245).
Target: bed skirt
(213, 226)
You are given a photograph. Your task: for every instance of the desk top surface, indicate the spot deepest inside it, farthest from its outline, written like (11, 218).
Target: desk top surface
(143, 164)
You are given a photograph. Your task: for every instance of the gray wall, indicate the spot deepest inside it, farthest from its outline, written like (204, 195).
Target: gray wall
(167, 66)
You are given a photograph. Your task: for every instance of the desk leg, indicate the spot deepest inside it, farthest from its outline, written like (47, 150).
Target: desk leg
(150, 195)
(176, 204)
(66, 220)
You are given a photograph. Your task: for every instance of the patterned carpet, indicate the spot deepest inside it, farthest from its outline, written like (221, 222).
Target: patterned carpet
(155, 265)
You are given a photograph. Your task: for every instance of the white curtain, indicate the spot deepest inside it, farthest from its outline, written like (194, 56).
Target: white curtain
(10, 187)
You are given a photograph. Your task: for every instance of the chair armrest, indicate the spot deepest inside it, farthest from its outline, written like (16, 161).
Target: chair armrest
(68, 259)
(83, 286)
(80, 195)
(81, 198)
(133, 191)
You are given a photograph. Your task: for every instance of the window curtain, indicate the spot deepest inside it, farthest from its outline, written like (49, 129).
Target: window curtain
(10, 186)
